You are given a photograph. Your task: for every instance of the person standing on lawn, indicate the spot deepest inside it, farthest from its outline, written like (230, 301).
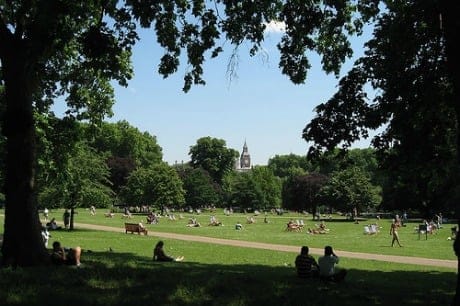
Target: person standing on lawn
(394, 232)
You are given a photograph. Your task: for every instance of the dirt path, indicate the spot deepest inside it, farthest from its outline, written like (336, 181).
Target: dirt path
(286, 248)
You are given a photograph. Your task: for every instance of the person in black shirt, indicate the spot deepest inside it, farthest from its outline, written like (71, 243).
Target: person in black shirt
(305, 264)
(159, 254)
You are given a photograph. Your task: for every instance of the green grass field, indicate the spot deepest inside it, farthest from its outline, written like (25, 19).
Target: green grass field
(342, 235)
(227, 275)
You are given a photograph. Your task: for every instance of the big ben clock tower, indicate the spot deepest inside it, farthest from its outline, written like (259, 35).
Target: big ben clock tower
(245, 159)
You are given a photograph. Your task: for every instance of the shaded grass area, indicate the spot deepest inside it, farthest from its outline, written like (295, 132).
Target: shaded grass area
(111, 278)
(219, 274)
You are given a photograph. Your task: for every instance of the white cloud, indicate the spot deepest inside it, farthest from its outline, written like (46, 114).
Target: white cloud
(275, 27)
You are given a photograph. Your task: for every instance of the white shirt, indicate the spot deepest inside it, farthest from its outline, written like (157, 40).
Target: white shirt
(326, 265)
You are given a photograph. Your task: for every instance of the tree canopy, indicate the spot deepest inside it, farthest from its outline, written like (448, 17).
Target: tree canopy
(122, 140)
(200, 189)
(285, 165)
(158, 186)
(350, 189)
(258, 188)
(411, 63)
(302, 192)
(54, 47)
(212, 155)
(415, 107)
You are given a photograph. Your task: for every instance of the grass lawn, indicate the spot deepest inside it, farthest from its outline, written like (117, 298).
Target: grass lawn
(227, 275)
(343, 235)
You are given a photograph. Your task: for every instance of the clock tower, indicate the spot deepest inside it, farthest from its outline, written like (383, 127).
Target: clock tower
(245, 159)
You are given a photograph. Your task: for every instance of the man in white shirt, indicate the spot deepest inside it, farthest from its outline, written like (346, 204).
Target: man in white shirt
(327, 270)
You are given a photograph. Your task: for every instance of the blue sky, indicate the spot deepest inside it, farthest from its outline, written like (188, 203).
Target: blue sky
(260, 105)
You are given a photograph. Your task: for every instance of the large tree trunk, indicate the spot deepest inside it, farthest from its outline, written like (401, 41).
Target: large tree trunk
(450, 24)
(72, 217)
(22, 244)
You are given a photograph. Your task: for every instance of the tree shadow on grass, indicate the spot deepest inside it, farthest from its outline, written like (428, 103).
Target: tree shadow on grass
(108, 278)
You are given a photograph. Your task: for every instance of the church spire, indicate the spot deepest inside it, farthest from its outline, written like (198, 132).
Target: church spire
(245, 159)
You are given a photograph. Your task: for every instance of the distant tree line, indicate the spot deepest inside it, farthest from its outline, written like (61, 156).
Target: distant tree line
(80, 164)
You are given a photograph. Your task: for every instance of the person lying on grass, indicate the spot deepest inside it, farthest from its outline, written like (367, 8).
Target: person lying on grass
(159, 254)
(65, 256)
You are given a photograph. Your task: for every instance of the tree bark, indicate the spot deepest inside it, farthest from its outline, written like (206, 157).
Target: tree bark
(72, 216)
(22, 244)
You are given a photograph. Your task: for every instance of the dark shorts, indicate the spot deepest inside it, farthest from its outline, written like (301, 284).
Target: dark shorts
(165, 259)
(310, 274)
(337, 277)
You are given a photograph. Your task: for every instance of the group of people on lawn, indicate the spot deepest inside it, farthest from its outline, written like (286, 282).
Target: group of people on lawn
(305, 264)
(298, 225)
(308, 267)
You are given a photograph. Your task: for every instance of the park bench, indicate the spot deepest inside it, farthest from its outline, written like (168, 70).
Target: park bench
(135, 228)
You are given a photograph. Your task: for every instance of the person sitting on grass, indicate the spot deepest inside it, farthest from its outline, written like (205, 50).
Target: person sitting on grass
(192, 222)
(322, 226)
(306, 265)
(152, 218)
(292, 226)
(52, 225)
(327, 270)
(314, 231)
(65, 256)
(159, 254)
(453, 232)
(109, 214)
(45, 236)
(213, 221)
